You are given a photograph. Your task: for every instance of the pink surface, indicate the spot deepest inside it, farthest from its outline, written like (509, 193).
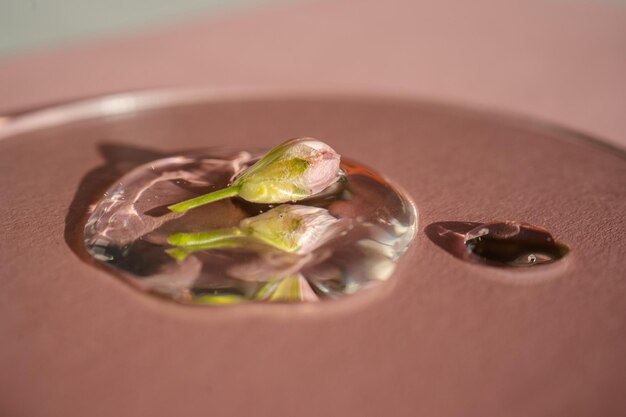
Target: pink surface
(563, 61)
(443, 338)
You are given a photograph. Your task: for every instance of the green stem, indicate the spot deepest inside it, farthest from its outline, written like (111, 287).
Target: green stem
(186, 239)
(217, 299)
(182, 252)
(227, 192)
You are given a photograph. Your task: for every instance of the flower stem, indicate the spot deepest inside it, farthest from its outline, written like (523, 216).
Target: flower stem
(186, 239)
(227, 192)
(217, 299)
(180, 253)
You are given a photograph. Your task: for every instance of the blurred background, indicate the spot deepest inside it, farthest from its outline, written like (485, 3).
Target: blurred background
(562, 61)
(35, 24)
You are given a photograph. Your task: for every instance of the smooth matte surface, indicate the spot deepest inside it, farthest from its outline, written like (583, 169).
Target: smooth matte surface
(444, 338)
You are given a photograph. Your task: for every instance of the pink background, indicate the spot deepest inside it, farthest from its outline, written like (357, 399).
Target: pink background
(561, 61)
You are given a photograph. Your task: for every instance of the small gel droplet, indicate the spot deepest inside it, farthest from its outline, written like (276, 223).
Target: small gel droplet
(512, 243)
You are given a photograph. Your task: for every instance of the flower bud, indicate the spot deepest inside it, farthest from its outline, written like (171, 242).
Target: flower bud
(297, 169)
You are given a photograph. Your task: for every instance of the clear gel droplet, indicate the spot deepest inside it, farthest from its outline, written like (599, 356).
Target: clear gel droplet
(130, 234)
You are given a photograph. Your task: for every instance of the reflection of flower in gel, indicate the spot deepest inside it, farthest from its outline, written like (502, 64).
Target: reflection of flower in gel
(290, 228)
(288, 289)
(291, 288)
(295, 170)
